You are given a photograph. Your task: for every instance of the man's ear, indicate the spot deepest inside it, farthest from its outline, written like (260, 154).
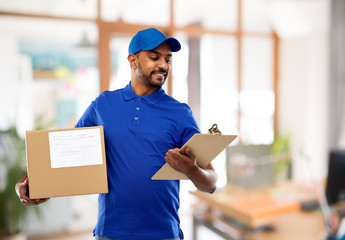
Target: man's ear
(132, 59)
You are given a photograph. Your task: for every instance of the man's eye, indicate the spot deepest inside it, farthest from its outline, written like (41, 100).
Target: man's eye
(154, 58)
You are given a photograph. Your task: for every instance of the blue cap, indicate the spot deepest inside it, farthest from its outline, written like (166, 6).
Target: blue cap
(149, 39)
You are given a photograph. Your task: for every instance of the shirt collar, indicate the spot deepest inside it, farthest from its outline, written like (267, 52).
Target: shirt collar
(152, 98)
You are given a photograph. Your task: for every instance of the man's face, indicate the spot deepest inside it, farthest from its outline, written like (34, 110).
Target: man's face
(154, 65)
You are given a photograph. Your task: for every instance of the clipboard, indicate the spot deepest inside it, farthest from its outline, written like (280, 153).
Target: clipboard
(205, 147)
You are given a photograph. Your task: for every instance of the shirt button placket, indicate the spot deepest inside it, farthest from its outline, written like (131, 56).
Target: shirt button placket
(136, 117)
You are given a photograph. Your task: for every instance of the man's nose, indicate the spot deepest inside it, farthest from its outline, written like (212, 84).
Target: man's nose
(163, 65)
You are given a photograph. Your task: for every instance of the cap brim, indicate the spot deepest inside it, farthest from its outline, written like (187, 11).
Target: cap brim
(174, 44)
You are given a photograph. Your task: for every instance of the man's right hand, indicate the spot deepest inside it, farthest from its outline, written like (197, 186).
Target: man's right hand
(22, 190)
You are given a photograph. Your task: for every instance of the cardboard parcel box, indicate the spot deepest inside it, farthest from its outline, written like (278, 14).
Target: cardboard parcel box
(66, 162)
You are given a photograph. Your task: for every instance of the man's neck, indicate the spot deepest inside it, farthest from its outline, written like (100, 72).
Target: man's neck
(142, 90)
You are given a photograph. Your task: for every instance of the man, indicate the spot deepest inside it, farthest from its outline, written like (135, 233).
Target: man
(142, 127)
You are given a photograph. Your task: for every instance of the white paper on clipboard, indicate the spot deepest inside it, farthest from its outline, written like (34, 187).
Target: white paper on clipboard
(205, 147)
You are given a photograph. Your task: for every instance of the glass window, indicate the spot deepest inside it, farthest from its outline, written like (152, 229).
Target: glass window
(148, 12)
(215, 14)
(257, 95)
(219, 95)
(15, 91)
(65, 8)
(257, 71)
(63, 67)
(257, 109)
(120, 69)
(219, 98)
(180, 69)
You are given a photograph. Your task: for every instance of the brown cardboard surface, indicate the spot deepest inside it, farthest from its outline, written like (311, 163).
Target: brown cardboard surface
(205, 147)
(45, 182)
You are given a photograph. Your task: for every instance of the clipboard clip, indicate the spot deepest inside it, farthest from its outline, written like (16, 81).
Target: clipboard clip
(214, 130)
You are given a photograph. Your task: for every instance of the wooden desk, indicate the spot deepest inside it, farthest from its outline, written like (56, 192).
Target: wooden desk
(213, 212)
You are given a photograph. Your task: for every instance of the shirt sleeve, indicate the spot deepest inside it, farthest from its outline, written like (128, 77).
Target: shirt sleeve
(189, 127)
(89, 118)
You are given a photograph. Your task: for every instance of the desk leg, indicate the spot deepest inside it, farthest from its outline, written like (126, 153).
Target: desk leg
(230, 234)
(196, 224)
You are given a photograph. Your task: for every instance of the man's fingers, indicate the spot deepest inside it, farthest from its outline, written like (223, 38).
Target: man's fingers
(171, 154)
(26, 202)
(23, 195)
(30, 202)
(189, 153)
(39, 201)
(23, 188)
(43, 200)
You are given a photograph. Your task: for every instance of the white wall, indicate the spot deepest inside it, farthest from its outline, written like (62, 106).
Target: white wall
(304, 87)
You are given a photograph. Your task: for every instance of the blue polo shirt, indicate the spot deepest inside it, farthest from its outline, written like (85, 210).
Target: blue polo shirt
(138, 132)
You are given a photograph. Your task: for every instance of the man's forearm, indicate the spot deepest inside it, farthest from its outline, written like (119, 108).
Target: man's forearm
(204, 179)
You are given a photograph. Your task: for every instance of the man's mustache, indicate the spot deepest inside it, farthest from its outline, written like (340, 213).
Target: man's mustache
(161, 71)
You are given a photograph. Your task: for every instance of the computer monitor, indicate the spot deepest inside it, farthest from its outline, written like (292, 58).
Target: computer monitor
(335, 187)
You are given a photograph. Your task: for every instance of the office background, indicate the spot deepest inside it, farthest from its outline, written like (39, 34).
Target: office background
(259, 68)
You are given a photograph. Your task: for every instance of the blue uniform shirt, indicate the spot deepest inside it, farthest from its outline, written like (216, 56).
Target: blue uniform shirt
(138, 132)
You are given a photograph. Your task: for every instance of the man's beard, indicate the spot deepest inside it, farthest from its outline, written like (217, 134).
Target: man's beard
(148, 80)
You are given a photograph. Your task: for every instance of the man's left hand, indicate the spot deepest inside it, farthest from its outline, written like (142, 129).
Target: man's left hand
(184, 163)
